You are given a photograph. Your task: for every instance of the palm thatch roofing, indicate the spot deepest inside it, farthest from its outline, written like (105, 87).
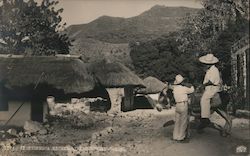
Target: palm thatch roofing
(153, 85)
(114, 75)
(66, 73)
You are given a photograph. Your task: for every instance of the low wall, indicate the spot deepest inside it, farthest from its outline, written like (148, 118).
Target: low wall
(20, 117)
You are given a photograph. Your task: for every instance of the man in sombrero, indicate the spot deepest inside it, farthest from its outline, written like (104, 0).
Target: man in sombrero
(212, 82)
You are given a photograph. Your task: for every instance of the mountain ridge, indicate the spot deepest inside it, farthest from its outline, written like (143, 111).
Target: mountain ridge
(153, 22)
(109, 36)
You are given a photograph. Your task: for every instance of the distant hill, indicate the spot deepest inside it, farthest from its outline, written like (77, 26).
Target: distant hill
(150, 24)
(109, 36)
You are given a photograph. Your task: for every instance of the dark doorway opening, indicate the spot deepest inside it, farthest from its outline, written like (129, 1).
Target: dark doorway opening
(37, 109)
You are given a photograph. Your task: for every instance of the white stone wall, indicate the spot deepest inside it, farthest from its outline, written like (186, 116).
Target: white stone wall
(115, 95)
(242, 53)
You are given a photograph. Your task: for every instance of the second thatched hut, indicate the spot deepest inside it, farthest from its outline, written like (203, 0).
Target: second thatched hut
(152, 91)
(153, 86)
(119, 81)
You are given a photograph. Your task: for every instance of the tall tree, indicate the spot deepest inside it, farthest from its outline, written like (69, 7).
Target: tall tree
(214, 30)
(29, 28)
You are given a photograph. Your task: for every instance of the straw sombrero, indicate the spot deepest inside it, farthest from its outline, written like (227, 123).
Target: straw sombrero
(178, 79)
(209, 59)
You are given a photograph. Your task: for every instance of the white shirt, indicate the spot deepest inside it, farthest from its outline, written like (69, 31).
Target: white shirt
(181, 92)
(212, 75)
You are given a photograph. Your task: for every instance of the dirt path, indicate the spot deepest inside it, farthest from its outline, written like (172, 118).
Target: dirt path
(139, 132)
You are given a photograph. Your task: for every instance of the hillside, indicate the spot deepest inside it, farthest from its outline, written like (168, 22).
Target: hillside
(108, 37)
(92, 50)
(150, 24)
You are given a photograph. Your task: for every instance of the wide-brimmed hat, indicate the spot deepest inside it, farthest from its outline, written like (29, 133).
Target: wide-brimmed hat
(209, 59)
(178, 79)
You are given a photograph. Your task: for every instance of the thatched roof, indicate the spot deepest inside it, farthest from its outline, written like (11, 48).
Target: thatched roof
(114, 75)
(69, 74)
(153, 85)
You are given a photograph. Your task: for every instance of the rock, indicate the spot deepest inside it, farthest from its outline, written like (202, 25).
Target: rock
(8, 144)
(12, 132)
(33, 127)
(52, 113)
(109, 129)
(21, 134)
(35, 139)
(27, 134)
(43, 132)
(95, 136)
(243, 113)
(47, 125)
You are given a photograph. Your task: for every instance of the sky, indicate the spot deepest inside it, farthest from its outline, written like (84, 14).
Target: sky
(85, 11)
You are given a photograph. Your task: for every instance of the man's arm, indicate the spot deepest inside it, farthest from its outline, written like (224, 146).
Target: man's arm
(189, 90)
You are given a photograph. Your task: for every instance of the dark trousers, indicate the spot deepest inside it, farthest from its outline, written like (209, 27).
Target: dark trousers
(204, 122)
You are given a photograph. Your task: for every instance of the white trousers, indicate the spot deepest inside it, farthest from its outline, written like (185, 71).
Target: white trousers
(181, 121)
(208, 94)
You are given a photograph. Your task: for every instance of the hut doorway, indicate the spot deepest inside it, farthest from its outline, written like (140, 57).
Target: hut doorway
(37, 101)
(37, 109)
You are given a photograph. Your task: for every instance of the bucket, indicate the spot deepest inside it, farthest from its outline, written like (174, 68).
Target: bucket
(51, 102)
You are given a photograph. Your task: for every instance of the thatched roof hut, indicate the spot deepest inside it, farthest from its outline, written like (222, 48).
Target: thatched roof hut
(64, 73)
(115, 75)
(153, 85)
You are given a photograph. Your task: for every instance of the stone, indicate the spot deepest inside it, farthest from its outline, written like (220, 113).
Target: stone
(33, 127)
(43, 132)
(243, 113)
(47, 125)
(21, 134)
(12, 132)
(109, 129)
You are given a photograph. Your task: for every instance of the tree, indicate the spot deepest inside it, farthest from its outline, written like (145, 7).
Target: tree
(162, 59)
(215, 29)
(29, 28)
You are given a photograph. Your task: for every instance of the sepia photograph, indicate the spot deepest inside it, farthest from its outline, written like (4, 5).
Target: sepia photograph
(124, 78)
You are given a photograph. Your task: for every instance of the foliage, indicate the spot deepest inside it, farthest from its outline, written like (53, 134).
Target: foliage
(223, 44)
(215, 29)
(29, 28)
(162, 59)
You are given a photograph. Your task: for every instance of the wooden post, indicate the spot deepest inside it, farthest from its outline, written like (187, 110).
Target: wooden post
(128, 103)
(247, 106)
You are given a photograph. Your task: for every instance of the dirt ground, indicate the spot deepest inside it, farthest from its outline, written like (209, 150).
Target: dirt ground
(138, 132)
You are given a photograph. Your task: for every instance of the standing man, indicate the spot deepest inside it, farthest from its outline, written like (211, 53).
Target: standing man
(181, 91)
(212, 82)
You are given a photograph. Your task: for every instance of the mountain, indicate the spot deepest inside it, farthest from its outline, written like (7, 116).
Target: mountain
(148, 25)
(109, 36)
